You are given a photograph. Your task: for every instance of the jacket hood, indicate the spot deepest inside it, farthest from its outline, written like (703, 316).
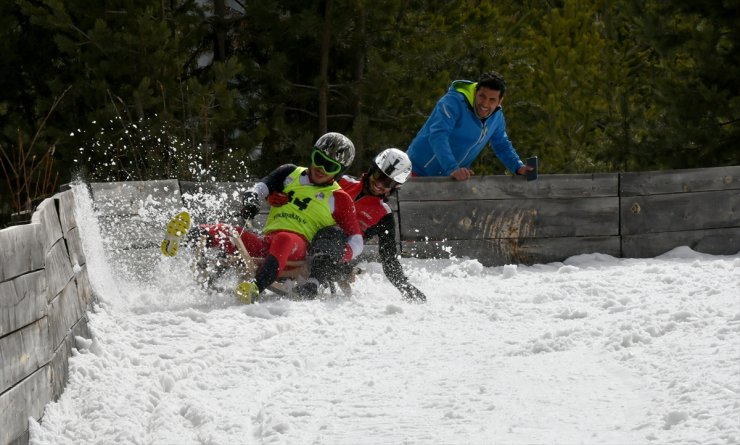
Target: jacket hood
(467, 89)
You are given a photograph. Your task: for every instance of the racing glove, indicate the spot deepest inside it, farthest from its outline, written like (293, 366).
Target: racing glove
(250, 205)
(277, 199)
(411, 293)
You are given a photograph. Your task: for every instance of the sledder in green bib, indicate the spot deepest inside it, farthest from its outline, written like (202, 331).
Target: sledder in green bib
(308, 208)
(310, 200)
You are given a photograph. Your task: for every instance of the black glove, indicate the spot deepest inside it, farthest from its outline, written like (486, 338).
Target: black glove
(411, 293)
(345, 270)
(250, 205)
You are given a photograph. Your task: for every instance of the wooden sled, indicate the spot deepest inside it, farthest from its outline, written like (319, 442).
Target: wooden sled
(298, 271)
(295, 272)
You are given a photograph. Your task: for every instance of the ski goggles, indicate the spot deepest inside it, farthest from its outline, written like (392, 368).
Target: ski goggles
(329, 165)
(384, 180)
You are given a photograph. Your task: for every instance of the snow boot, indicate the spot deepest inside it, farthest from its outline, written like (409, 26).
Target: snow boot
(247, 292)
(177, 228)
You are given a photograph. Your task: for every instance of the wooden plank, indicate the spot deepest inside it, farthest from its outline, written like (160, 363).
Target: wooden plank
(66, 309)
(27, 399)
(59, 364)
(59, 367)
(47, 216)
(22, 301)
(683, 211)
(136, 198)
(22, 250)
(498, 252)
(84, 288)
(712, 241)
(74, 246)
(393, 200)
(523, 218)
(680, 181)
(119, 232)
(510, 187)
(59, 271)
(23, 352)
(134, 214)
(66, 202)
(206, 202)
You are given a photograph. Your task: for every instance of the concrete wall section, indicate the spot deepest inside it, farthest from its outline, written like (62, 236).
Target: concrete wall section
(44, 296)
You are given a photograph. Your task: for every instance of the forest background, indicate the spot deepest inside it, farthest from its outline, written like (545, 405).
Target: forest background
(230, 89)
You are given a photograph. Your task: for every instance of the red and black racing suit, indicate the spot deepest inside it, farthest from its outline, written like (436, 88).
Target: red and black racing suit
(376, 219)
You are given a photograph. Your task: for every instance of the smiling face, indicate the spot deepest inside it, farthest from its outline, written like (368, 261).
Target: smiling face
(378, 184)
(318, 176)
(486, 101)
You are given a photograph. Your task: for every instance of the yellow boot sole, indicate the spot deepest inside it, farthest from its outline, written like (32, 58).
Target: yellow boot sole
(176, 230)
(246, 292)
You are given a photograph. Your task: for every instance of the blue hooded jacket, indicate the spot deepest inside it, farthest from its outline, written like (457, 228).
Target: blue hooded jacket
(454, 136)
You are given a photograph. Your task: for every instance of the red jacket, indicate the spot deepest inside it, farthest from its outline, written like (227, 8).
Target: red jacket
(375, 217)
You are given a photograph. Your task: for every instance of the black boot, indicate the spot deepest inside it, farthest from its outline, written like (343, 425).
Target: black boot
(308, 290)
(267, 273)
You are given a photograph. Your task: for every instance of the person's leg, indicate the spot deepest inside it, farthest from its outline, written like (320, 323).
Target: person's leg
(217, 236)
(327, 248)
(215, 251)
(256, 245)
(210, 261)
(283, 246)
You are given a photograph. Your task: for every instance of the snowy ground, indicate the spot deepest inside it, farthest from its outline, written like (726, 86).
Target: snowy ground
(595, 350)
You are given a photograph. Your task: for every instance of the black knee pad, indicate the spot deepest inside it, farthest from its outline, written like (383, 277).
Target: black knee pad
(324, 268)
(328, 242)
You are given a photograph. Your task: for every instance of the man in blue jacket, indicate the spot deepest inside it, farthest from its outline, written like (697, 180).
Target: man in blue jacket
(464, 120)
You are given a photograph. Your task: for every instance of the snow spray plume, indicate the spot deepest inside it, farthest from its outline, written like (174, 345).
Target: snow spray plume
(153, 149)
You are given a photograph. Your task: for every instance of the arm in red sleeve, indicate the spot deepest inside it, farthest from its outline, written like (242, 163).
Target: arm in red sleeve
(346, 218)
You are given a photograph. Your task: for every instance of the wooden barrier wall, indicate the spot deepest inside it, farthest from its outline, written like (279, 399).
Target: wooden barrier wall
(495, 219)
(44, 297)
(504, 219)
(698, 208)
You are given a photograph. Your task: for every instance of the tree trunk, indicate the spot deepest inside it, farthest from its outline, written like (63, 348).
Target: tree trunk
(360, 126)
(219, 31)
(324, 70)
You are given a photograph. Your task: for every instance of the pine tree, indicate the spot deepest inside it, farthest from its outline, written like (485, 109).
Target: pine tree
(697, 92)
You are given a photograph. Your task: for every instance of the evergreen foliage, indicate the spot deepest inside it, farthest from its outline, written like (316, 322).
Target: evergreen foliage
(143, 89)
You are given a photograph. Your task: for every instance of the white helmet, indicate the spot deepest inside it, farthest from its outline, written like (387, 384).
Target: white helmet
(394, 163)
